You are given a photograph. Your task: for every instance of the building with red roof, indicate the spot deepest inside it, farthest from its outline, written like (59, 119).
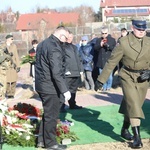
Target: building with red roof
(28, 22)
(124, 9)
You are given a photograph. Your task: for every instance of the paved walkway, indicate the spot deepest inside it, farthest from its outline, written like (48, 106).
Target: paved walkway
(84, 97)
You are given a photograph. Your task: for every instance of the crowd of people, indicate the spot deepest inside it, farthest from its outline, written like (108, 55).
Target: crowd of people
(61, 67)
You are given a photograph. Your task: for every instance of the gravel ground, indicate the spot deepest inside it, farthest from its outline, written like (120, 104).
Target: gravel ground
(110, 146)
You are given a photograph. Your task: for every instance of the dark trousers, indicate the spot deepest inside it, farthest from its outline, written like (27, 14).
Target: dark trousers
(73, 84)
(47, 131)
(72, 101)
(10, 88)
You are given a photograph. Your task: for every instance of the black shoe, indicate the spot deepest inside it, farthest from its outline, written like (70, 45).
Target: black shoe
(40, 145)
(57, 147)
(137, 143)
(10, 96)
(126, 134)
(76, 107)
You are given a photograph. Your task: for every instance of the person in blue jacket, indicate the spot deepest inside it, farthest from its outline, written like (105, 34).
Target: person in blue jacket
(87, 61)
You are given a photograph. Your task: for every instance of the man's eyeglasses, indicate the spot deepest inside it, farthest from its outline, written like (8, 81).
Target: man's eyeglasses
(12, 39)
(104, 33)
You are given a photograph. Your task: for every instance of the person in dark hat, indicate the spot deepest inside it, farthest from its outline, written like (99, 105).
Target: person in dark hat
(124, 32)
(11, 74)
(9, 36)
(134, 51)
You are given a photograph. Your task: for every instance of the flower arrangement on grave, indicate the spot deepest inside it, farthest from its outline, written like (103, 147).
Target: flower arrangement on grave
(17, 127)
(20, 125)
(63, 132)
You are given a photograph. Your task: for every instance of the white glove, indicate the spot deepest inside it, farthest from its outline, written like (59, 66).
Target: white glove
(81, 73)
(67, 95)
(68, 73)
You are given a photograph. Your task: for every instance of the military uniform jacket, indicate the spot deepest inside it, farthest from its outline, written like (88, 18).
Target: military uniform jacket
(4, 63)
(135, 54)
(11, 74)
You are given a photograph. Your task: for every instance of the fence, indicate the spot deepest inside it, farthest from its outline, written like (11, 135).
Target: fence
(23, 39)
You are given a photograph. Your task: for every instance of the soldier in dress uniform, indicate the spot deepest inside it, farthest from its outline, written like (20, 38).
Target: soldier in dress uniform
(134, 52)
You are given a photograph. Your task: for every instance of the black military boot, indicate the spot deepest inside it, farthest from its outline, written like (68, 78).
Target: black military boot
(137, 143)
(125, 132)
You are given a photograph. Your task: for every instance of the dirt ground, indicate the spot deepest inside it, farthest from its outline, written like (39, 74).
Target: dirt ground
(110, 146)
(96, 146)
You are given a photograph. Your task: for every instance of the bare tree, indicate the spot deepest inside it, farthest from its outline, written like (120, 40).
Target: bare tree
(64, 9)
(86, 14)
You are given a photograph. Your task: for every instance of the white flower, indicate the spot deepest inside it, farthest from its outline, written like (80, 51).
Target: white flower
(13, 112)
(7, 131)
(23, 56)
(10, 128)
(5, 104)
(14, 120)
(9, 119)
(20, 129)
(20, 133)
(27, 125)
(28, 137)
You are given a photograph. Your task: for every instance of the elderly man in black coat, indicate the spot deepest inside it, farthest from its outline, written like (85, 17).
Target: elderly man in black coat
(73, 68)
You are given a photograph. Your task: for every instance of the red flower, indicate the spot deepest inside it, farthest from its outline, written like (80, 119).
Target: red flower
(32, 54)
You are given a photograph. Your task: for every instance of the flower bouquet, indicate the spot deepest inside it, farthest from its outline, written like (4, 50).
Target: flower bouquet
(28, 58)
(63, 132)
(17, 128)
(20, 125)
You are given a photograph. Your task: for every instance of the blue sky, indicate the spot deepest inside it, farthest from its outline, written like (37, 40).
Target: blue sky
(26, 6)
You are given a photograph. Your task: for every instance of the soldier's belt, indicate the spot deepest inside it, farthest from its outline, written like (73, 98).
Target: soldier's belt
(132, 70)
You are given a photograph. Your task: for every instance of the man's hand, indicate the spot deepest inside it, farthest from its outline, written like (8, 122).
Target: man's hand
(145, 75)
(11, 54)
(18, 69)
(98, 85)
(81, 73)
(67, 95)
(8, 57)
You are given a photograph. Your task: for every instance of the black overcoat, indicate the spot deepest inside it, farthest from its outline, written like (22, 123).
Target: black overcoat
(49, 67)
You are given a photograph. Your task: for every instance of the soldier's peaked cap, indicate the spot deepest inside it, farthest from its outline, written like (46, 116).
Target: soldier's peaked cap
(139, 24)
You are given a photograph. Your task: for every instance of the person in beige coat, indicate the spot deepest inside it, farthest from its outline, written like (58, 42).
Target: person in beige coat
(5, 63)
(11, 74)
(134, 51)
